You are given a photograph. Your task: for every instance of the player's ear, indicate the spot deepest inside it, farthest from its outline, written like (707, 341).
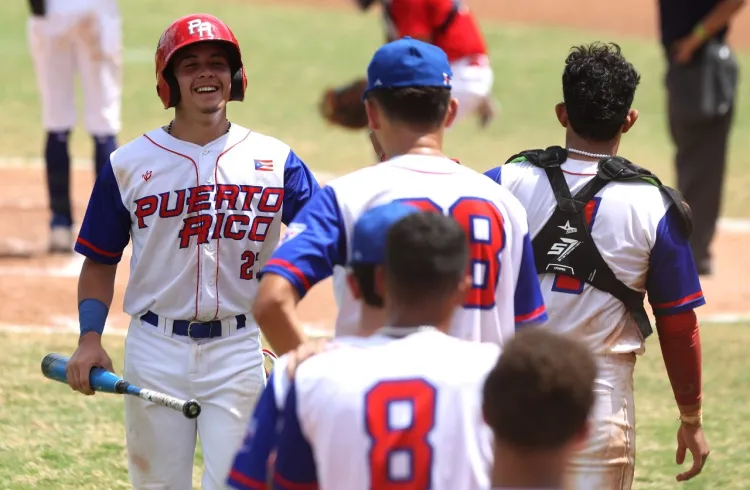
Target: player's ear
(462, 290)
(452, 112)
(581, 437)
(379, 278)
(630, 120)
(562, 114)
(351, 281)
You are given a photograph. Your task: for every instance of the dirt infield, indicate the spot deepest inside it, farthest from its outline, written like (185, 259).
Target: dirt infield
(40, 290)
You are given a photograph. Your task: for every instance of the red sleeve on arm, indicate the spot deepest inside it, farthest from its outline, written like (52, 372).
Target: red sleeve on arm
(411, 18)
(680, 343)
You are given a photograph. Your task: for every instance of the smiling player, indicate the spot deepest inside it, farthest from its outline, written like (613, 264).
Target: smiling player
(203, 201)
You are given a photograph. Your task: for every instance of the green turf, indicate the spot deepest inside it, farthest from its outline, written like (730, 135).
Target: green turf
(291, 54)
(53, 438)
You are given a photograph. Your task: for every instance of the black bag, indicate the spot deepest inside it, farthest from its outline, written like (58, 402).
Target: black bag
(706, 86)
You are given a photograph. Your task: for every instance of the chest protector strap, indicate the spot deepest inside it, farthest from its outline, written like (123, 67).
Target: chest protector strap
(564, 245)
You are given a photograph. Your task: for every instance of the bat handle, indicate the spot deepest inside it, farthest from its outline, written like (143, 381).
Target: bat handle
(191, 409)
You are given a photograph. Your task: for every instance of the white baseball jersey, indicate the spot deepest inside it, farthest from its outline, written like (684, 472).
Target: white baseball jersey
(404, 415)
(203, 219)
(505, 290)
(639, 239)
(79, 38)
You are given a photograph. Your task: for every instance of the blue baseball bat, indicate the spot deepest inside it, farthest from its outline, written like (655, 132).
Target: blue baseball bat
(54, 367)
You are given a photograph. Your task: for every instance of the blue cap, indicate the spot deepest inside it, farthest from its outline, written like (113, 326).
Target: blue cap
(371, 230)
(408, 62)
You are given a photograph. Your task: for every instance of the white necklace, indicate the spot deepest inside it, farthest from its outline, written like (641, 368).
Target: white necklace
(587, 154)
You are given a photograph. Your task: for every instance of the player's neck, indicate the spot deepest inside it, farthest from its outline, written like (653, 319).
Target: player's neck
(371, 319)
(574, 141)
(403, 142)
(417, 316)
(512, 469)
(199, 129)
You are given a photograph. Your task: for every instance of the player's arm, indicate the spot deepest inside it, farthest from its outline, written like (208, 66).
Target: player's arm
(299, 186)
(528, 301)
(674, 291)
(412, 19)
(295, 462)
(251, 462)
(314, 243)
(104, 234)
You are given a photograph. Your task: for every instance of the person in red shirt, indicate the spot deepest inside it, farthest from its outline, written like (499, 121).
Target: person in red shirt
(449, 25)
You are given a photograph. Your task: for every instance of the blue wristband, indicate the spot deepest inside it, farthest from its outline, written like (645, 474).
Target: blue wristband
(92, 314)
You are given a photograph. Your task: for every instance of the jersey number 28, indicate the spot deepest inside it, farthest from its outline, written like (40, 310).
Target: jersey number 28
(485, 227)
(400, 416)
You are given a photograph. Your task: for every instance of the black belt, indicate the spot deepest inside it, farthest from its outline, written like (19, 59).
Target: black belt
(191, 328)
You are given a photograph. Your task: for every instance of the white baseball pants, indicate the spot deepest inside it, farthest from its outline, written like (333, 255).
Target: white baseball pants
(88, 44)
(472, 83)
(607, 461)
(224, 374)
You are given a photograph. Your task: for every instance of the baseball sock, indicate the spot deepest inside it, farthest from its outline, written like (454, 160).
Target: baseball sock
(57, 161)
(103, 147)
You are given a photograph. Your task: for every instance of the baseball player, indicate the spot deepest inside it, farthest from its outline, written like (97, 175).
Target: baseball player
(450, 25)
(409, 105)
(390, 410)
(537, 400)
(68, 38)
(605, 233)
(250, 468)
(203, 200)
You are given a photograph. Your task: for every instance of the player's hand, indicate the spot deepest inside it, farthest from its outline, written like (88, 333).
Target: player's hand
(684, 48)
(89, 354)
(306, 351)
(691, 438)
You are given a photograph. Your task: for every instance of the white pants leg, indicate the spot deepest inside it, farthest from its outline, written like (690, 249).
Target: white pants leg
(225, 375)
(607, 462)
(472, 83)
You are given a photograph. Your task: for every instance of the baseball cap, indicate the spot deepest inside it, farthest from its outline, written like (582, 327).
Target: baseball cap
(408, 62)
(371, 230)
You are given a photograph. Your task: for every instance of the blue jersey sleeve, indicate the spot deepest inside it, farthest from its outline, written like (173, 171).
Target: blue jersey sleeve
(250, 467)
(299, 186)
(295, 462)
(495, 174)
(528, 300)
(672, 283)
(314, 243)
(105, 230)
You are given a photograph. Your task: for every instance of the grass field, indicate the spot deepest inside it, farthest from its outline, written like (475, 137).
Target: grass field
(53, 438)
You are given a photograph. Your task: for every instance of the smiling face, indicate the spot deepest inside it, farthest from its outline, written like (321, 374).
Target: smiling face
(204, 77)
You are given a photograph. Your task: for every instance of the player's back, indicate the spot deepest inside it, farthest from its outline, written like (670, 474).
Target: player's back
(505, 291)
(635, 232)
(395, 410)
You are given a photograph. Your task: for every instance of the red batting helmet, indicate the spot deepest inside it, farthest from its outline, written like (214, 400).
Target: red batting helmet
(188, 30)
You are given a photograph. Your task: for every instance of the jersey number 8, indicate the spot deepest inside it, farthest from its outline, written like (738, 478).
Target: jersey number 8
(400, 416)
(485, 227)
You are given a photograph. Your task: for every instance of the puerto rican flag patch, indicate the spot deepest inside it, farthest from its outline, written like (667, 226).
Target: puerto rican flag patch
(264, 165)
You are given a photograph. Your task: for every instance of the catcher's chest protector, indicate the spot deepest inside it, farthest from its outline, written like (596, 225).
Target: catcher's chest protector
(565, 246)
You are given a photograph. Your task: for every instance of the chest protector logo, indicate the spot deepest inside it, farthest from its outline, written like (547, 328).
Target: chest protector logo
(564, 244)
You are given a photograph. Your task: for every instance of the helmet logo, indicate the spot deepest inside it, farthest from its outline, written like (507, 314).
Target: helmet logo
(201, 27)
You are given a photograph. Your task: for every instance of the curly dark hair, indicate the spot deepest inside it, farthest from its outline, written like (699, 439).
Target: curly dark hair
(598, 89)
(541, 391)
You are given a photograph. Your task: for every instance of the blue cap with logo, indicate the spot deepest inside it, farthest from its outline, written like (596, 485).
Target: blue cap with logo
(408, 62)
(371, 230)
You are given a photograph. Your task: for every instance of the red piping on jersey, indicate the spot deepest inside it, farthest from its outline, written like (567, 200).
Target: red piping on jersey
(679, 302)
(197, 183)
(530, 316)
(247, 481)
(293, 269)
(216, 183)
(292, 485)
(98, 250)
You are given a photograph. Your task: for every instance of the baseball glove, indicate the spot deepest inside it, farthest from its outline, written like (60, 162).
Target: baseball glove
(343, 105)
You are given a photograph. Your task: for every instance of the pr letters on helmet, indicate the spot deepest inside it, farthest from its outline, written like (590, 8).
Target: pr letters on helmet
(204, 29)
